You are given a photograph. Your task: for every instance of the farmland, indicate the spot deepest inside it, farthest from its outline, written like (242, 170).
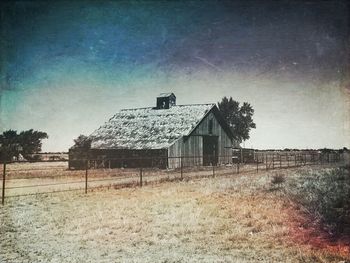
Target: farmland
(228, 218)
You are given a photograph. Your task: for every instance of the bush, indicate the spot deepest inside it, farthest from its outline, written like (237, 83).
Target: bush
(278, 179)
(326, 195)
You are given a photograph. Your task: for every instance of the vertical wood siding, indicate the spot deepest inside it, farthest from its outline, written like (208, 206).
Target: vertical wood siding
(191, 148)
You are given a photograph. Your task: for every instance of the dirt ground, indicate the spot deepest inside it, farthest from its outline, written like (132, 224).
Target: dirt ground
(232, 218)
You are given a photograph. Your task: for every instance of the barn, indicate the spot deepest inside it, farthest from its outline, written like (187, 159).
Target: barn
(165, 136)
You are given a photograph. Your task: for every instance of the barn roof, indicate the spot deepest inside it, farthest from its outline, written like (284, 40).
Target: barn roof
(147, 128)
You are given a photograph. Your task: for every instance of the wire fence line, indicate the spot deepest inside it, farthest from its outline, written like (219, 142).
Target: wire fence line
(31, 178)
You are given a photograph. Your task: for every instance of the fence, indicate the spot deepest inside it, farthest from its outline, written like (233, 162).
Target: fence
(31, 178)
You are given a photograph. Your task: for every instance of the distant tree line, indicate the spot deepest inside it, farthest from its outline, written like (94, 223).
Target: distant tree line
(25, 143)
(322, 150)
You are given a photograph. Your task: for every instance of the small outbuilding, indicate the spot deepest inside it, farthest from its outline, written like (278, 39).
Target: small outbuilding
(165, 136)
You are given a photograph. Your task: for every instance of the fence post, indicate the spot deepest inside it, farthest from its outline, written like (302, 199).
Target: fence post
(86, 175)
(3, 184)
(238, 167)
(181, 167)
(280, 160)
(213, 169)
(241, 158)
(273, 161)
(140, 177)
(287, 157)
(302, 161)
(257, 163)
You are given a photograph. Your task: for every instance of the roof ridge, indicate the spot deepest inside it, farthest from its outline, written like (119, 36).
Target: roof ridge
(180, 105)
(194, 104)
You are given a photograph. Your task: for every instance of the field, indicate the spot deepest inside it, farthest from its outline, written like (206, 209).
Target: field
(245, 217)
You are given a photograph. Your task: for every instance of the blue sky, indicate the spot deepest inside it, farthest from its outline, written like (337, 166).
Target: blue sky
(66, 68)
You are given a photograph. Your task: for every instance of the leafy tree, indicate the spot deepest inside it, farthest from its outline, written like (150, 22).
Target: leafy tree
(81, 147)
(82, 142)
(239, 118)
(8, 144)
(30, 141)
(25, 143)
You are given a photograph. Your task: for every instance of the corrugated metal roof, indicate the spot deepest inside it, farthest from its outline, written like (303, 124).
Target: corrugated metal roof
(148, 128)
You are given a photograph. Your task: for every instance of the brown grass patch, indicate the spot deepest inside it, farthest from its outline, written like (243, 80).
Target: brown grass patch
(224, 219)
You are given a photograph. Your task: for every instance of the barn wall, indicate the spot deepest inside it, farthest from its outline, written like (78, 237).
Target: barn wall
(224, 141)
(117, 158)
(192, 146)
(190, 149)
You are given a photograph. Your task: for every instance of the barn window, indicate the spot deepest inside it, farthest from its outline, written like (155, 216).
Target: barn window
(210, 128)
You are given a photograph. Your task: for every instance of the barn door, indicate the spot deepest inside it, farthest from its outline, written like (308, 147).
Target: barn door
(210, 150)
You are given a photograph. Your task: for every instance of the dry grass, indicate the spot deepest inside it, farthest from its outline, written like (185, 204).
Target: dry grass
(223, 219)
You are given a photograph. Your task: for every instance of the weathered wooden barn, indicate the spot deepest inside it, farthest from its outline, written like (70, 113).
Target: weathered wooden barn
(165, 136)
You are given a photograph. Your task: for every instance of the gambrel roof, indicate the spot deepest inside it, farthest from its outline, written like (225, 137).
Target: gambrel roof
(148, 128)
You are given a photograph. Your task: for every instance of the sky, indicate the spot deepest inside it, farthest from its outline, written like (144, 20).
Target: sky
(66, 68)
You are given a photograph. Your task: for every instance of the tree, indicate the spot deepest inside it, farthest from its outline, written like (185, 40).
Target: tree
(8, 144)
(30, 141)
(82, 142)
(239, 118)
(81, 149)
(26, 143)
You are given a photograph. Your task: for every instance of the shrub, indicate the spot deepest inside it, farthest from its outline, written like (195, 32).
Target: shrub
(326, 195)
(278, 179)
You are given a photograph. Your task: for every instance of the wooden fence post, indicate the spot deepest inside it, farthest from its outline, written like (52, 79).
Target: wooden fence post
(86, 175)
(213, 166)
(181, 167)
(257, 163)
(3, 184)
(232, 165)
(273, 161)
(140, 177)
(280, 161)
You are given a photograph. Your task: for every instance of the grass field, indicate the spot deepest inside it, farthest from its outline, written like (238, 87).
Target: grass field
(235, 218)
